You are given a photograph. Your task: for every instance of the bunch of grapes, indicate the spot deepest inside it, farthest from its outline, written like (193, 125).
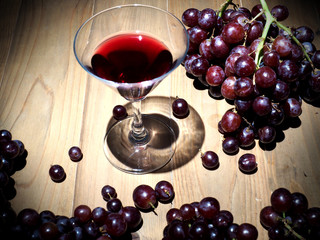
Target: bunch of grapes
(12, 158)
(204, 220)
(261, 67)
(290, 217)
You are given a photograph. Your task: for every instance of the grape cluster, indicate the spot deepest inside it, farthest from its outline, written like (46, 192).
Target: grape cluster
(261, 67)
(205, 220)
(290, 217)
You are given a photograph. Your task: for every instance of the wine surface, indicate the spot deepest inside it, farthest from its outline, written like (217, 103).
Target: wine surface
(131, 58)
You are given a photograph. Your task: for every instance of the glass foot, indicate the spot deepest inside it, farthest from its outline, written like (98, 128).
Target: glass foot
(140, 158)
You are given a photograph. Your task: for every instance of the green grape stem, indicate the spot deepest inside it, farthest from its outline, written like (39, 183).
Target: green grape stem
(269, 20)
(292, 231)
(224, 7)
(286, 223)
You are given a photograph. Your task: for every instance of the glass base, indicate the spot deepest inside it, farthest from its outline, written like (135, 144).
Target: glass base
(140, 158)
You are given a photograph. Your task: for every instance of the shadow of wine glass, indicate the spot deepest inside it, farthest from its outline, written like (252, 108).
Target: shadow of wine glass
(189, 131)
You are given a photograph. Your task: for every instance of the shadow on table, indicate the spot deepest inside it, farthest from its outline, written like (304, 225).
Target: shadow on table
(189, 131)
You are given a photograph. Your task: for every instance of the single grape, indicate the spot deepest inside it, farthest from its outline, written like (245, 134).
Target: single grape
(205, 49)
(116, 224)
(247, 231)
(114, 205)
(209, 207)
(144, 197)
(178, 230)
(99, 215)
(267, 134)
(276, 115)
(230, 121)
(281, 200)
(299, 203)
(316, 59)
(256, 10)
(119, 112)
(254, 32)
(199, 66)
(282, 46)
(232, 231)
(313, 217)
(180, 108)
(190, 17)
(75, 154)
(230, 145)
(247, 163)
(164, 191)
(9, 149)
(199, 230)
(219, 48)
(314, 81)
(280, 12)
(242, 106)
(215, 75)
(269, 217)
(265, 77)
(292, 107)
(233, 33)
(196, 34)
(132, 216)
(281, 91)
(29, 218)
(57, 173)
(5, 135)
(187, 211)
(210, 160)
(271, 59)
(304, 34)
(262, 105)
(83, 213)
(108, 192)
(207, 19)
(173, 214)
(49, 231)
(288, 71)
(245, 66)
(243, 87)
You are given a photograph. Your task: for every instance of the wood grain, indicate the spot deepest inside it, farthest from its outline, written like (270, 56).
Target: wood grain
(49, 102)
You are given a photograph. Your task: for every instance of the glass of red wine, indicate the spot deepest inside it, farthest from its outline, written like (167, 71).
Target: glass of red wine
(132, 48)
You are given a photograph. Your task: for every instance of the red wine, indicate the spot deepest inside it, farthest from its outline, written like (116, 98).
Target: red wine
(131, 58)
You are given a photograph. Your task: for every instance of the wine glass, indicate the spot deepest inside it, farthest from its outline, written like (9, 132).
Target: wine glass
(132, 48)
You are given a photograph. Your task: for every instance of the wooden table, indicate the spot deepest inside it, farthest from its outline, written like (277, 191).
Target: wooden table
(50, 103)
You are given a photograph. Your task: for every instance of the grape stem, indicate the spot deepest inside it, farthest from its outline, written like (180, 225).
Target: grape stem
(292, 231)
(269, 20)
(224, 7)
(296, 41)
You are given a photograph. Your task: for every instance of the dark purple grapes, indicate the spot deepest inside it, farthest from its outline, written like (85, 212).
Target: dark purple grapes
(190, 17)
(230, 121)
(247, 163)
(280, 12)
(75, 154)
(144, 197)
(164, 191)
(281, 200)
(180, 108)
(83, 213)
(108, 192)
(247, 231)
(119, 112)
(57, 173)
(210, 160)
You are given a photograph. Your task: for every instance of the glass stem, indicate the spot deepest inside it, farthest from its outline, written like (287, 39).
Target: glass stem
(139, 134)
